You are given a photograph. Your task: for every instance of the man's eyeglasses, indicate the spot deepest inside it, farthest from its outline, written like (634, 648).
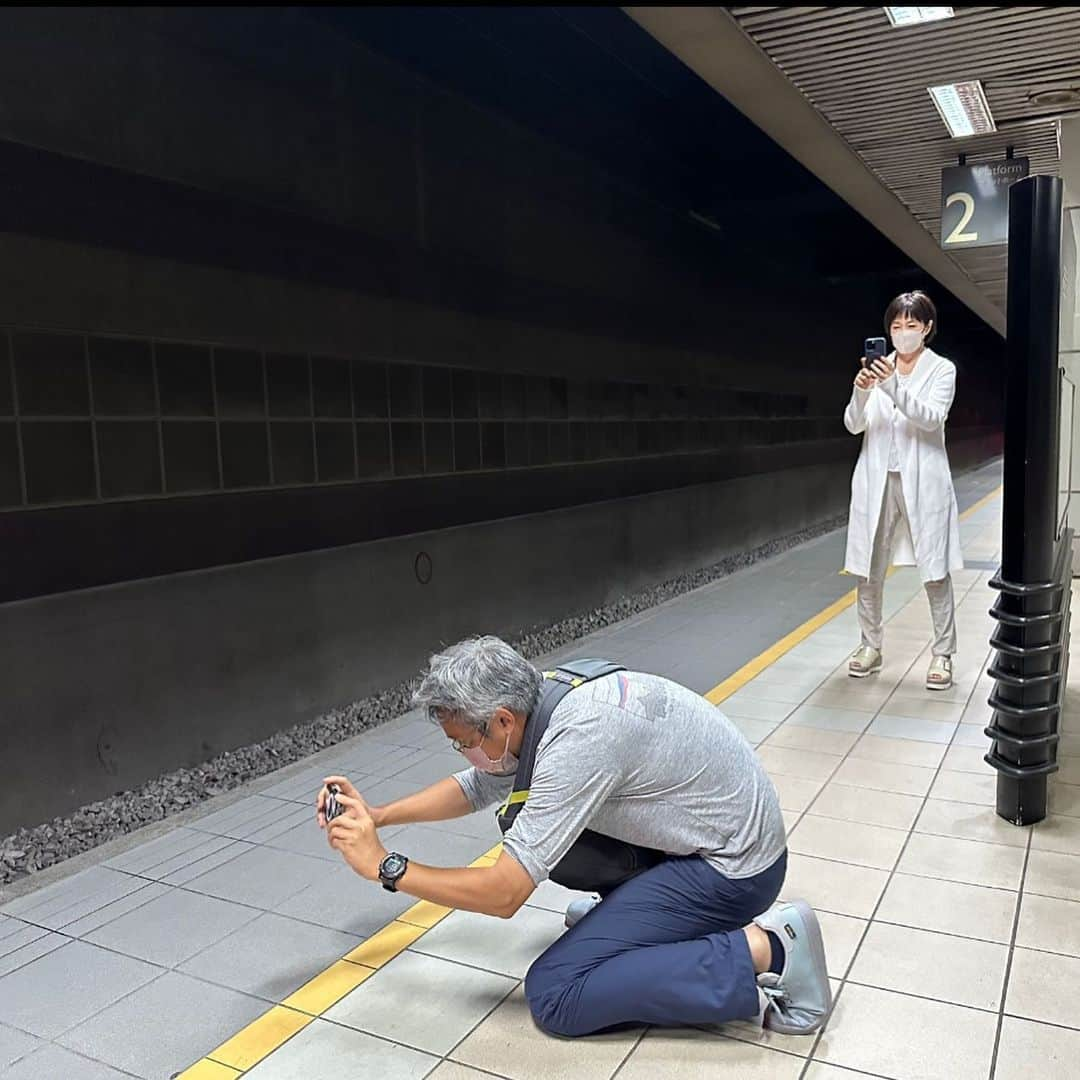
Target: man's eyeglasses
(457, 744)
(461, 747)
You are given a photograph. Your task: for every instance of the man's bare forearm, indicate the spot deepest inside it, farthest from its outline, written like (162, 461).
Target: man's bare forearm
(497, 890)
(440, 802)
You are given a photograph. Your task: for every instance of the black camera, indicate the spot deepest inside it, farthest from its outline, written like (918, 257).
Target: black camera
(333, 808)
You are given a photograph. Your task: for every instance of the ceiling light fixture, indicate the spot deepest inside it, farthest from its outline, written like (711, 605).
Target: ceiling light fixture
(912, 16)
(964, 108)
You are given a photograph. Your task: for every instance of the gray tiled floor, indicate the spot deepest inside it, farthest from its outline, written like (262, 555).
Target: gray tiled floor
(54, 1061)
(66, 987)
(465, 995)
(270, 956)
(322, 1047)
(148, 1031)
(194, 922)
(919, 886)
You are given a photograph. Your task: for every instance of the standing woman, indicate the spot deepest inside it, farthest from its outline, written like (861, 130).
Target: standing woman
(903, 506)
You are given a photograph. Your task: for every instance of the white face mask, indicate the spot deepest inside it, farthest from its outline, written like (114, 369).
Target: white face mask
(906, 342)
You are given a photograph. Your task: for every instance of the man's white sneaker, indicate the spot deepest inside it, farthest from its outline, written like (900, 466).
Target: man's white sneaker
(799, 998)
(578, 909)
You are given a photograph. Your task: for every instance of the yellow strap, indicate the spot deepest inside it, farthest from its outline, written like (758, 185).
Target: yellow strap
(513, 797)
(574, 682)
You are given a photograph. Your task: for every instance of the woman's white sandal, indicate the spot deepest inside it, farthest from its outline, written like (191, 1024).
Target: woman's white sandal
(939, 674)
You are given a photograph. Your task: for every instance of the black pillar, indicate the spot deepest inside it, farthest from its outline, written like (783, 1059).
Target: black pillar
(1032, 608)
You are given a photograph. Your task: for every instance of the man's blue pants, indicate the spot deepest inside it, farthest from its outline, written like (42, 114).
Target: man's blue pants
(665, 948)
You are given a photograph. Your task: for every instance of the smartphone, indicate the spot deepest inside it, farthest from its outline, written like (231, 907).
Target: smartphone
(333, 808)
(873, 349)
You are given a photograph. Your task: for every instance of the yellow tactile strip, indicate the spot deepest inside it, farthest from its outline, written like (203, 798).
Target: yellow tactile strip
(760, 662)
(275, 1027)
(280, 1023)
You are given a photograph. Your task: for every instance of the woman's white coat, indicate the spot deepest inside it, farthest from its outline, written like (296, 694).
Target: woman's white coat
(923, 404)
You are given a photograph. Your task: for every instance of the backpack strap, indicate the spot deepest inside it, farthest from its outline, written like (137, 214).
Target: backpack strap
(557, 684)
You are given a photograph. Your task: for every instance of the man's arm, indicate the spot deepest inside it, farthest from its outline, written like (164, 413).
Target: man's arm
(443, 801)
(490, 890)
(497, 890)
(457, 795)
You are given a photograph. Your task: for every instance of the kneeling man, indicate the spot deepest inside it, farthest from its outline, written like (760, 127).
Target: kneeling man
(642, 782)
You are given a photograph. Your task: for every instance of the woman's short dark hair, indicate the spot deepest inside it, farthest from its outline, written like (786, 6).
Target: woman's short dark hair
(916, 304)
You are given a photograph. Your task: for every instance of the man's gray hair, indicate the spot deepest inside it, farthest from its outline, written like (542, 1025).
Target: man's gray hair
(473, 678)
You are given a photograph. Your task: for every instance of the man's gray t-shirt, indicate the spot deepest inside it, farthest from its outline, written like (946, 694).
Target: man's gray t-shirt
(645, 760)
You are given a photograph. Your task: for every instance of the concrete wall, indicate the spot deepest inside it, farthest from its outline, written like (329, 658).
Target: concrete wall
(250, 179)
(118, 684)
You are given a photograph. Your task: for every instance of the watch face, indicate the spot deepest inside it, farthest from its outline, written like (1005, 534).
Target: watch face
(393, 865)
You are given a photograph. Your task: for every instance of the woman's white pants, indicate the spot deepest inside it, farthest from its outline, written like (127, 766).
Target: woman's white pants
(870, 590)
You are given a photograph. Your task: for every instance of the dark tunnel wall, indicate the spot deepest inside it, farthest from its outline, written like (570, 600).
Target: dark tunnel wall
(273, 283)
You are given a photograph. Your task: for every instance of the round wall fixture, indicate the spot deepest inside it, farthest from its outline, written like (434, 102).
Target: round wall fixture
(1065, 96)
(422, 567)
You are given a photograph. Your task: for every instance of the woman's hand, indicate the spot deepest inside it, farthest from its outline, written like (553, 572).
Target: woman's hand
(883, 368)
(864, 380)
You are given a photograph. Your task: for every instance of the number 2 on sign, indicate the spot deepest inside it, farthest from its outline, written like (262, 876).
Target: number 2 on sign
(958, 236)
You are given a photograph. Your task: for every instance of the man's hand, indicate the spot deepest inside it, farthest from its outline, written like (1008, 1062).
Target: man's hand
(354, 835)
(349, 795)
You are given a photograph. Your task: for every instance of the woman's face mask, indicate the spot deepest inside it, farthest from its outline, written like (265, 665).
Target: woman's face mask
(503, 766)
(907, 341)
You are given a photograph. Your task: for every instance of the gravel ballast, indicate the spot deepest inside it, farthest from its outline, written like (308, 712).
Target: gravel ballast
(45, 845)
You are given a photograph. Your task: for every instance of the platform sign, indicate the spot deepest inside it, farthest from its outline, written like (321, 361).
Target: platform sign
(975, 202)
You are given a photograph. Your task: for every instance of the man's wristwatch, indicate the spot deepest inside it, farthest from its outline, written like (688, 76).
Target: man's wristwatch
(391, 870)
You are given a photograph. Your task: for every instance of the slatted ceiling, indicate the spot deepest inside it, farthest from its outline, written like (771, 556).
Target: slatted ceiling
(869, 80)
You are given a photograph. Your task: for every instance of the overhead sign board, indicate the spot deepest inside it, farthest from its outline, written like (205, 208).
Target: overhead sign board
(975, 202)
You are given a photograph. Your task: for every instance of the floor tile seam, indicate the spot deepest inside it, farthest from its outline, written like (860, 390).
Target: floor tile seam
(874, 912)
(843, 1068)
(270, 911)
(119, 915)
(256, 913)
(633, 1050)
(284, 900)
(468, 1035)
(850, 821)
(86, 1057)
(397, 1042)
(844, 758)
(465, 963)
(18, 930)
(78, 899)
(476, 1068)
(948, 933)
(848, 754)
(162, 968)
(161, 973)
(1009, 960)
(49, 1043)
(750, 1042)
(926, 997)
(321, 1014)
(820, 1034)
(39, 956)
(199, 838)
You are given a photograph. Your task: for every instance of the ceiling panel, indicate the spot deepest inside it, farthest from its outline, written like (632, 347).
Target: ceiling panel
(869, 80)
